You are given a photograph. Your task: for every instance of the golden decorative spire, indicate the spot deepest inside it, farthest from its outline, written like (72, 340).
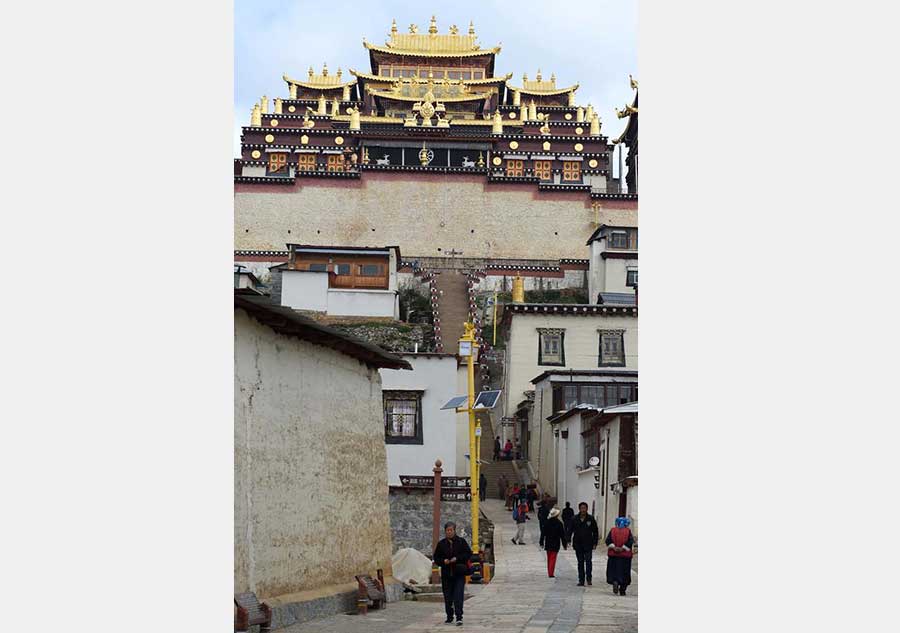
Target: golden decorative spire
(634, 84)
(255, 116)
(553, 78)
(524, 77)
(413, 28)
(324, 69)
(393, 26)
(339, 73)
(579, 115)
(277, 105)
(538, 78)
(264, 104)
(311, 72)
(471, 28)
(432, 28)
(595, 125)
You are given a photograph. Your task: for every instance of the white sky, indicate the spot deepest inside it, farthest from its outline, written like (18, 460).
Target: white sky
(593, 44)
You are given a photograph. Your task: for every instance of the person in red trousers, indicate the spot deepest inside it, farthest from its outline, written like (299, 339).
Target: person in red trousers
(554, 536)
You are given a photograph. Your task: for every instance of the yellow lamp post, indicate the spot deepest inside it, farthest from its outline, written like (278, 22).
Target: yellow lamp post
(468, 348)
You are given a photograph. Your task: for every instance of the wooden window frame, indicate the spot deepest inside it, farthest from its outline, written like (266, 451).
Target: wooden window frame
(277, 164)
(402, 395)
(620, 362)
(543, 169)
(515, 168)
(571, 171)
(629, 281)
(307, 162)
(335, 163)
(562, 347)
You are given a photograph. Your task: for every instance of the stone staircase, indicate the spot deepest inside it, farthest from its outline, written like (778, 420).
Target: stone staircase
(492, 470)
(453, 307)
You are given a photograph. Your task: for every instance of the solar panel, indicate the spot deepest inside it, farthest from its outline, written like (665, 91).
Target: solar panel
(455, 402)
(487, 399)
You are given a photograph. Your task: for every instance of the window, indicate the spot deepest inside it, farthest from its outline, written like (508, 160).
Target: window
(403, 417)
(318, 268)
(453, 74)
(591, 447)
(624, 239)
(631, 278)
(278, 163)
(551, 347)
(467, 74)
(477, 74)
(306, 162)
(370, 270)
(335, 162)
(384, 71)
(542, 169)
(612, 348)
(438, 74)
(600, 394)
(515, 168)
(571, 171)
(342, 269)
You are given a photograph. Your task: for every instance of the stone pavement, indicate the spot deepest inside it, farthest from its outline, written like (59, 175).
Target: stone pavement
(520, 598)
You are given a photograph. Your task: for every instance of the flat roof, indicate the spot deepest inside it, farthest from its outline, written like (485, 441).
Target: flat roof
(574, 373)
(290, 323)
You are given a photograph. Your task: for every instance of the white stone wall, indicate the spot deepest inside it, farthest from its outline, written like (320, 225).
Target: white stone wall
(436, 377)
(304, 290)
(310, 478)
(607, 275)
(375, 303)
(424, 213)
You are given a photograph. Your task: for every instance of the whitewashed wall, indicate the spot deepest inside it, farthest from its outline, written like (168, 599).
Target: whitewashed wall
(304, 290)
(307, 475)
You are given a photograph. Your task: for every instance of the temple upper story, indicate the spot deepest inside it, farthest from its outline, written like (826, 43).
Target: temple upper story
(429, 101)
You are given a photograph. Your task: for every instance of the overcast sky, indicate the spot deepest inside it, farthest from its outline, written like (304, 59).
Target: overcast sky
(593, 44)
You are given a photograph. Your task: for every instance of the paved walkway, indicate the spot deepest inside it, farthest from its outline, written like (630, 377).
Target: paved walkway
(522, 599)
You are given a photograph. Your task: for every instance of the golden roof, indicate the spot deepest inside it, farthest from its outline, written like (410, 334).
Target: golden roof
(468, 82)
(541, 87)
(432, 44)
(320, 80)
(397, 96)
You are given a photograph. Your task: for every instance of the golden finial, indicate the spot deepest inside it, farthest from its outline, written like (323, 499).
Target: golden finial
(339, 73)
(634, 85)
(413, 28)
(432, 28)
(538, 78)
(553, 78)
(471, 28)
(393, 27)
(480, 159)
(454, 30)
(524, 77)
(311, 72)
(324, 69)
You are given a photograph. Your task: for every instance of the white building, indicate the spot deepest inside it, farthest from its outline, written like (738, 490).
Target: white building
(416, 431)
(560, 338)
(608, 434)
(341, 280)
(613, 272)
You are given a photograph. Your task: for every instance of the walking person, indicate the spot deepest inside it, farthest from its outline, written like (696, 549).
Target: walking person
(585, 537)
(554, 536)
(482, 486)
(620, 542)
(497, 448)
(507, 450)
(512, 496)
(520, 515)
(452, 554)
(568, 515)
(543, 511)
(501, 486)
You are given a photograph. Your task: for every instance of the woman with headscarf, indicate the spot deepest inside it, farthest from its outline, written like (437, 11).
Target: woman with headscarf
(554, 536)
(620, 542)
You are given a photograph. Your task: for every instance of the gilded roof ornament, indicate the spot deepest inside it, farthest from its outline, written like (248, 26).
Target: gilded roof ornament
(393, 26)
(634, 84)
(433, 44)
(471, 28)
(413, 28)
(432, 28)
(454, 30)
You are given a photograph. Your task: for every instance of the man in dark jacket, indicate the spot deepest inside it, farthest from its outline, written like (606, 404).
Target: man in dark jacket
(482, 487)
(452, 554)
(568, 514)
(585, 537)
(497, 448)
